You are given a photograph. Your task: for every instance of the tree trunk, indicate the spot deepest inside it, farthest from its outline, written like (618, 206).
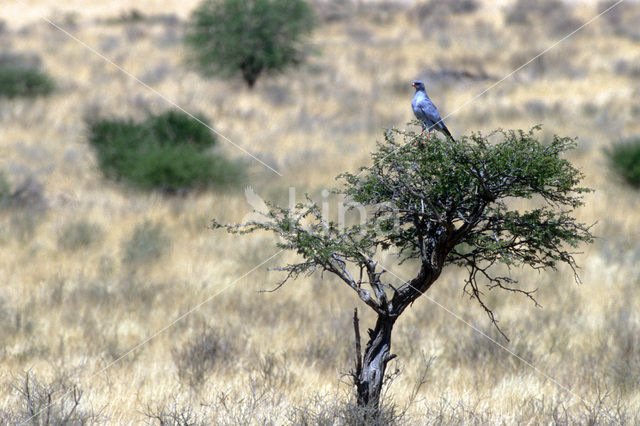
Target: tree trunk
(370, 368)
(250, 72)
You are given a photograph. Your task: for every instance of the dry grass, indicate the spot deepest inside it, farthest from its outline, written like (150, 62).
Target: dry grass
(74, 312)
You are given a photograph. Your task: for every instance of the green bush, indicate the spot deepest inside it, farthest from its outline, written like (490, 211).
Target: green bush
(250, 37)
(624, 160)
(169, 151)
(178, 128)
(16, 80)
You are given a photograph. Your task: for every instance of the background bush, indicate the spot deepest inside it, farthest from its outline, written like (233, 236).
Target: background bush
(76, 235)
(556, 15)
(196, 359)
(624, 160)
(20, 76)
(170, 151)
(148, 243)
(5, 189)
(15, 81)
(250, 37)
(43, 403)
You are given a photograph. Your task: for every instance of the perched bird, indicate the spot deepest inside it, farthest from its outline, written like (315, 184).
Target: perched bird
(426, 111)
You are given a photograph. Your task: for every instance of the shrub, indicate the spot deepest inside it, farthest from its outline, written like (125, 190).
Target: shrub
(5, 190)
(173, 413)
(26, 203)
(57, 402)
(20, 76)
(621, 18)
(554, 16)
(178, 128)
(196, 359)
(76, 235)
(29, 195)
(335, 409)
(169, 151)
(624, 160)
(452, 7)
(251, 37)
(149, 242)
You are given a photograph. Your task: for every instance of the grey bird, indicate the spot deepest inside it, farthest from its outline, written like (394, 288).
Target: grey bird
(426, 111)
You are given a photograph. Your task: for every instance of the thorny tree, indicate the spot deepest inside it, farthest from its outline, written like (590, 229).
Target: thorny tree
(434, 202)
(252, 37)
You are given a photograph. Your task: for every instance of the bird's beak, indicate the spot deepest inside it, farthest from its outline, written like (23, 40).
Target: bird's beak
(413, 84)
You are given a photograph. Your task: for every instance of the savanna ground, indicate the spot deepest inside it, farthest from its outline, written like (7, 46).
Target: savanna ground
(90, 269)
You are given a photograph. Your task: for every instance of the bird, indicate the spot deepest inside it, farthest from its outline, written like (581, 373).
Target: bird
(426, 111)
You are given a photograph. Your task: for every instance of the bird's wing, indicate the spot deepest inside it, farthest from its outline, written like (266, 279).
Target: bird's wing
(429, 113)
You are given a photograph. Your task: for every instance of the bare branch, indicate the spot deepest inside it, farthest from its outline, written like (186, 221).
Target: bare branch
(476, 294)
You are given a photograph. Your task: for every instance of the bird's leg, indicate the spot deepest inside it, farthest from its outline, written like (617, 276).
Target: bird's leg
(419, 142)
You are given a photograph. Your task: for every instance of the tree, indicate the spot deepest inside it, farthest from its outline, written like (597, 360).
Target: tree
(249, 36)
(435, 202)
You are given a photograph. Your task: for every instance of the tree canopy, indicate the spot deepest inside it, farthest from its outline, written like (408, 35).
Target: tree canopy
(251, 36)
(440, 201)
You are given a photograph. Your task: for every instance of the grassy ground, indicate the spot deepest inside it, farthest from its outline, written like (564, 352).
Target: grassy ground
(75, 297)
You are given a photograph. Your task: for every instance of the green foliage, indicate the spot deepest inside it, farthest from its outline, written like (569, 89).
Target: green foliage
(250, 36)
(76, 235)
(16, 80)
(457, 179)
(148, 243)
(624, 160)
(169, 151)
(441, 202)
(177, 128)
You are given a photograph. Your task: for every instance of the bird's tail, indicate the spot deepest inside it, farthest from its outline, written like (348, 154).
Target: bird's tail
(447, 132)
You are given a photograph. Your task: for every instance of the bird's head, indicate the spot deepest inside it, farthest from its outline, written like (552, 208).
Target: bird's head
(418, 85)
